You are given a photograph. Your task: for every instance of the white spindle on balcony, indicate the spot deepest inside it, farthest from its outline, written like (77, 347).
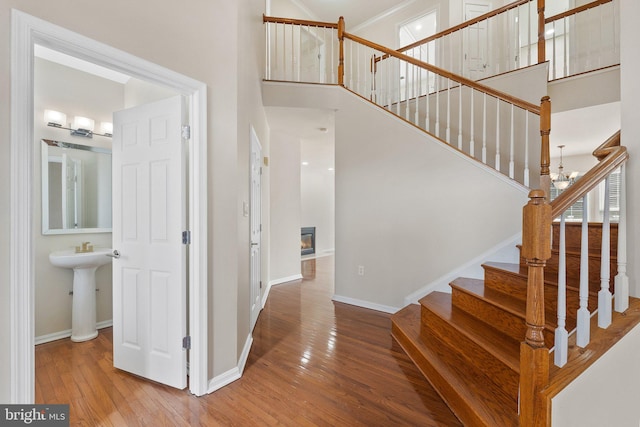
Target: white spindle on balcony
(497, 163)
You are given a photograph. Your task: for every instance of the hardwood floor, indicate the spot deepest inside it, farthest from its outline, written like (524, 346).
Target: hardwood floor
(313, 362)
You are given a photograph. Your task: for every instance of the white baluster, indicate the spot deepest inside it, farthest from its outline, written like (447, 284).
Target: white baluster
(484, 128)
(526, 148)
(460, 116)
(427, 125)
(437, 83)
(529, 19)
(622, 281)
(604, 296)
(399, 88)
(406, 90)
(512, 172)
(561, 335)
(293, 54)
(472, 143)
(497, 164)
(583, 333)
(566, 48)
(333, 68)
(553, 50)
(448, 132)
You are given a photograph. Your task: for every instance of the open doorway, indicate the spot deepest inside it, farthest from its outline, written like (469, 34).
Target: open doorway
(28, 31)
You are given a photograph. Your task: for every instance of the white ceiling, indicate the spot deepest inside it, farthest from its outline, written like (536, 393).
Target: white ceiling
(355, 12)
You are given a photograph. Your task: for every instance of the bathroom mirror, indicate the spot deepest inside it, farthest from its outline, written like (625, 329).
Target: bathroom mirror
(76, 188)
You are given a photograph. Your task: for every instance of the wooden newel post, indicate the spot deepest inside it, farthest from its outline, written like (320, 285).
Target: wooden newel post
(545, 156)
(341, 50)
(542, 54)
(534, 356)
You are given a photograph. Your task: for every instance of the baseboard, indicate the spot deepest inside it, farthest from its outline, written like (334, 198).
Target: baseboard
(324, 253)
(365, 304)
(285, 279)
(55, 336)
(506, 251)
(233, 374)
(223, 379)
(266, 294)
(245, 353)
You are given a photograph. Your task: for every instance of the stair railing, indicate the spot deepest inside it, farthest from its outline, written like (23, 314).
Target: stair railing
(583, 39)
(488, 125)
(501, 40)
(536, 250)
(491, 126)
(301, 51)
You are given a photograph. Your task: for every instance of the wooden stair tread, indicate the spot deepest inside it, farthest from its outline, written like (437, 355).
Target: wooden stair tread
(503, 347)
(473, 404)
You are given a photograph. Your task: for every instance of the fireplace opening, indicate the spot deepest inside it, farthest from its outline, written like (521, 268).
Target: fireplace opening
(308, 240)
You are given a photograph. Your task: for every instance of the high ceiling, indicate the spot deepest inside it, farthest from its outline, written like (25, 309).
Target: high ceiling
(355, 12)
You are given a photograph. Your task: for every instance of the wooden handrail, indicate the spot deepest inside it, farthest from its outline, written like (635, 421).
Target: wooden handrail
(616, 156)
(304, 22)
(576, 10)
(462, 80)
(465, 24)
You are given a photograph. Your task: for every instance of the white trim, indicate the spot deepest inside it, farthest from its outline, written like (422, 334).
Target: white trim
(285, 280)
(27, 31)
(325, 253)
(233, 374)
(365, 304)
(505, 251)
(266, 294)
(223, 379)
(245, 353)
(67, 333)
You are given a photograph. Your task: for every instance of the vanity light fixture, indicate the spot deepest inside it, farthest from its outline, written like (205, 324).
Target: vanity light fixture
(82, 126)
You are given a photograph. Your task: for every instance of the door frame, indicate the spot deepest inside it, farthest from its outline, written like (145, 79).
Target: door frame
(27, 30)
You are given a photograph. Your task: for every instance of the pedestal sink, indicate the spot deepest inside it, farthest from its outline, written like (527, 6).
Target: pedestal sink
(84, 265)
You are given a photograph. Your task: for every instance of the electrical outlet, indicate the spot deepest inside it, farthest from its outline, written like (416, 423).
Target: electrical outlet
(361, 270)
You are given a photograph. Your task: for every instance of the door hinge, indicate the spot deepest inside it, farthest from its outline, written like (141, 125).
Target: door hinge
(186, 132)
(186, 237)
(186, 342)
(260, 284)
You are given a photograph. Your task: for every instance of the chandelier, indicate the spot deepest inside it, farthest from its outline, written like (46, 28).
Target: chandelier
(561, 180)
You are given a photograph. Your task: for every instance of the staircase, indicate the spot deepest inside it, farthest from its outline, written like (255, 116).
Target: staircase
(467, 343)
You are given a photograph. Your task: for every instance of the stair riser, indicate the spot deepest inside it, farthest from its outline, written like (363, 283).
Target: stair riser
(435, 331)
(511, 324)
(573, 270)
(516, 286)
(573, 237)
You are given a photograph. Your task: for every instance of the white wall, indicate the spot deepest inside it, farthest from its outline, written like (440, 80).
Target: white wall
(317, 192)
(409, 208)
(202, 40)
(630, 133)
(284, 246)
(607, 393)
(75, 93)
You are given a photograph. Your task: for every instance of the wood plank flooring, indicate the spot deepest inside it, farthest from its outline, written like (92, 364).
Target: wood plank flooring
(313, 362)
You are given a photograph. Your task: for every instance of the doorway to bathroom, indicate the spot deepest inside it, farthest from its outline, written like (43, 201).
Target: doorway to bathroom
(28, 32)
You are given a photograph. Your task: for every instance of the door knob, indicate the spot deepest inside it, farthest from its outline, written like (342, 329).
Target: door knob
(115, 254)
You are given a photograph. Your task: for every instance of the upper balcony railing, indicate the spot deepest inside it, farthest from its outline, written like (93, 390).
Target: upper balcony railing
(583, 39)
(519, 34)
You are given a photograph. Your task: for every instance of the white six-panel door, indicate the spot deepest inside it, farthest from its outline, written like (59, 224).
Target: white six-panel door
(149, 215)
(256, 227)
